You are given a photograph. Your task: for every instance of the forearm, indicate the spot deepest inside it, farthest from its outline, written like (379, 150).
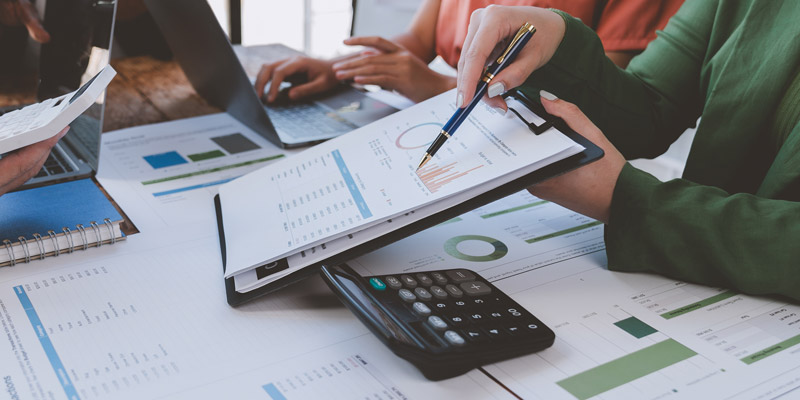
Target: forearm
(703, 234)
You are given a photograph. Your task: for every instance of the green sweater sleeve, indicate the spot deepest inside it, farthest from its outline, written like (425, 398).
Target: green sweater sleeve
(680, 229)
(703, 234)
(643, 109)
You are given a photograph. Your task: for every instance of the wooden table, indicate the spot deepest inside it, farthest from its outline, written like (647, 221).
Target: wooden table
(147, 90)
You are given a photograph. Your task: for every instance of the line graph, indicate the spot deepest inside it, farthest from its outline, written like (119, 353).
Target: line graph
(435, 177)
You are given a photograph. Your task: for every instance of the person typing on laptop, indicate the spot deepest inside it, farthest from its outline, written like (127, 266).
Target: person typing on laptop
(439, 28)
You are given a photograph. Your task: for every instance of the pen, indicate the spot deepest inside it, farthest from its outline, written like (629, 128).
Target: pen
(517, 43)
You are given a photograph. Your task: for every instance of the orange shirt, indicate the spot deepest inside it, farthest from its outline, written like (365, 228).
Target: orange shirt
(623, 25)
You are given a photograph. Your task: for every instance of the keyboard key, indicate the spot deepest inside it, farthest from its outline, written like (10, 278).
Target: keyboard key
(476, 318)
(495, 332)
(454, 338)
(514, 312)
(423, 294)
(475, 288)
(440, 307)
(437, 323)
(438, 292)
(460, 275)
(424, 280)
(393, 282)
(439, 278)
(495, 315)
(408, 281)
(513, 330)
(406, 295)
(421, 309)
(454, 291)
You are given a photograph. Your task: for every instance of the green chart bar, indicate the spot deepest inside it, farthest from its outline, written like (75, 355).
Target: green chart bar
(212, 170)
(564, 232)
(510, 210)
(206, 156)
(626, 369)
(698, 305)
(635, 327)
(771, 350)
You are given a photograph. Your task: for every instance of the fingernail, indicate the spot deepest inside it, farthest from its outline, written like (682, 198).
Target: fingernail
(460, 100)
(547, 95)
(500, 110)
(496, 89)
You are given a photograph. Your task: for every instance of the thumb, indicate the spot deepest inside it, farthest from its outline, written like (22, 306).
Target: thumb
(567, 111)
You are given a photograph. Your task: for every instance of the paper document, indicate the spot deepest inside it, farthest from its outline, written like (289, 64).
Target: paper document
(365, 178)
(166, 174)
(154, 324)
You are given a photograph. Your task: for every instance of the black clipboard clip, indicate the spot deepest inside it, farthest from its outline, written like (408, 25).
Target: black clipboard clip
(536, 129)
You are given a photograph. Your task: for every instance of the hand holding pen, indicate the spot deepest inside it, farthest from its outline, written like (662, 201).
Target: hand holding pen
(517, 43)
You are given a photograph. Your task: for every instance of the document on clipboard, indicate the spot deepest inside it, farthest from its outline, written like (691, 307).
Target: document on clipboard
(361, 191)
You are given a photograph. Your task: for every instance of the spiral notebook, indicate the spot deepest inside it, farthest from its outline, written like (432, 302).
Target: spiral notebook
(54, 220)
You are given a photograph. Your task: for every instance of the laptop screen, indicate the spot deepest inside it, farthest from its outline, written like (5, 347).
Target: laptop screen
(80, 33)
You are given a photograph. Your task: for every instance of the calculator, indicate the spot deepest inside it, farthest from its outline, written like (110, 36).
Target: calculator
(444, 322)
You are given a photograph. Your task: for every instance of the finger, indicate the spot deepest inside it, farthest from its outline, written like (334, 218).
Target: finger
(279, 74)
(474, 23)
(21, 165)
(30, 18)
(512, 76)
(567, 111)
(263, 77)
(364, 60)
(372, 69)
(484, 42)
(373, 41)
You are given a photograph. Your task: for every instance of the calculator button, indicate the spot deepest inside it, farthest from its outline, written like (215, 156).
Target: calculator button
(459, 305)
(460, 275)
(476, 288)
(476, 317)
(454, 338)
(475, 335)
(423, 294)
(495, 332)
(456, 320)
(495, 315)
(421, 309)
(393, 282)
(438, 292)
(424, 280)
(532, 327)
(377, 284)
(513, 330)
(439, 278)
(478, 302)
(406, 295)
(440, 307)
(514, 312)
(408, 281)
(437, 323)
(454, 291)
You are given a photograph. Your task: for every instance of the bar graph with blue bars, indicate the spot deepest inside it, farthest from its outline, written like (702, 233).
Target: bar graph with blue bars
(351, 185)
(47, 345)
(273, 392)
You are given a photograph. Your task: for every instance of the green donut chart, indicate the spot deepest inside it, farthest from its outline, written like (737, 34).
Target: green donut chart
(451, 248)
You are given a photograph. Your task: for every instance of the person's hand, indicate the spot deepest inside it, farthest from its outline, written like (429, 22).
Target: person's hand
(490, 30)
(319, 74)
(589, 189)
(20, 165)
(22, 12)
(392, 67)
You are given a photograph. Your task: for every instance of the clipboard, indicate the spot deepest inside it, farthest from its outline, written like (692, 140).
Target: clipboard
(590, 154)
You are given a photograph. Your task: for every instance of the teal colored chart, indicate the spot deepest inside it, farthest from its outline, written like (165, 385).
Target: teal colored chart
(451, 247)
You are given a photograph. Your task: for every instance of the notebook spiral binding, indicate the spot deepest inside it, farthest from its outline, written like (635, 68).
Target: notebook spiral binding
(40, 241)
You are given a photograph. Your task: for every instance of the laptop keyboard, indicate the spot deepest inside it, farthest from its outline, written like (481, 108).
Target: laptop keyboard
(55, 164)
(307, 120)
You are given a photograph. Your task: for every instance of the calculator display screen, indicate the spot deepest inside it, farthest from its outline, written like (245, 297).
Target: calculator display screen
(391, 329)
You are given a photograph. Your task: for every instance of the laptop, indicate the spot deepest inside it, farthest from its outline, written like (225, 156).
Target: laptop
(207, 58)
(81, 33)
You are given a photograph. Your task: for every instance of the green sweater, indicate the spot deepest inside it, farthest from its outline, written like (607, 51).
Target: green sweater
(734, 218)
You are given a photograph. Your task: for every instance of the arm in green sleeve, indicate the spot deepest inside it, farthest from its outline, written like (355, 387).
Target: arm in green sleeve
(703, 234)
(643, 109)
